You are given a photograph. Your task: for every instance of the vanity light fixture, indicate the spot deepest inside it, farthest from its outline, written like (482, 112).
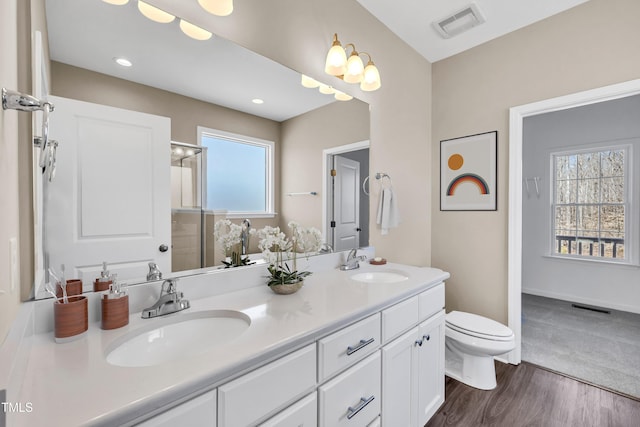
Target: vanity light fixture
(309, 82)
(155, 14)
(217, 7)
(158, 15)
(194, 31)
(341, 96)
(326, 89)
(351, 70)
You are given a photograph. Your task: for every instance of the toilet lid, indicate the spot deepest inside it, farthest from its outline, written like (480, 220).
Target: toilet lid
(472, 324)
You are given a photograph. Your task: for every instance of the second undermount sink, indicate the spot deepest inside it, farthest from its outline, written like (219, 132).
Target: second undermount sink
(383, 276)
(178, 337)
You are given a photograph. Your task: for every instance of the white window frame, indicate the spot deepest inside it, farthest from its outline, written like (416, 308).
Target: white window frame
(269, 167)
(629, 239)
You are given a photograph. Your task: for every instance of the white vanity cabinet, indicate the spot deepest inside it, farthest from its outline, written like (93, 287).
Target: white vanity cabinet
(353, 397)
(303, 413)
(199, 411)
(246, 400)
(413, 364)
(386, 369)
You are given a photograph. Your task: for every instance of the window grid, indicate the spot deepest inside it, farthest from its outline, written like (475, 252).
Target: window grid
(590, 203)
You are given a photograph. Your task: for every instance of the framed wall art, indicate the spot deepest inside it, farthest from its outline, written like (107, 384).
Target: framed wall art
(468, 170)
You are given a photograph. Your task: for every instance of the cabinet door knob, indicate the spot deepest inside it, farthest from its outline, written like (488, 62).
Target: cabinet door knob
(426, 337)
(418, 342)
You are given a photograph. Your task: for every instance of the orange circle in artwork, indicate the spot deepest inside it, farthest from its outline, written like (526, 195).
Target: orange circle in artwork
(455, 162)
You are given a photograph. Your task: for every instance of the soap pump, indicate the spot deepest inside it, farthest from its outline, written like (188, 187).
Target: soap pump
(103, 282)
(115, 306)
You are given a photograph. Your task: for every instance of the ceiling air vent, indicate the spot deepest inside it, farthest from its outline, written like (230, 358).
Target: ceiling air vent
(459, 22)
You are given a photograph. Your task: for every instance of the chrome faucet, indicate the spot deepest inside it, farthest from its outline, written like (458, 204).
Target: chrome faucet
(353, 260)
(154, 272)
(170, 301)
(325, 248)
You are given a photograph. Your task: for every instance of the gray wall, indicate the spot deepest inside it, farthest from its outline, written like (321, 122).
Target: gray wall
(596, 283)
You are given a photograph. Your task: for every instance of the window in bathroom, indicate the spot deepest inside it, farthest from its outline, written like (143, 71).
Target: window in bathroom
(590, 206)
(239, 173)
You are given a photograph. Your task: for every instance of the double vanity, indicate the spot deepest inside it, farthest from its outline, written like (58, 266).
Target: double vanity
(361, 347)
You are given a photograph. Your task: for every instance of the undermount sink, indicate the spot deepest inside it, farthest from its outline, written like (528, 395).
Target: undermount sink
(386, 276)
(173, 338)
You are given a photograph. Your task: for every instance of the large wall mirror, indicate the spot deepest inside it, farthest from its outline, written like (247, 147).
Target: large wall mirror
(178, 85)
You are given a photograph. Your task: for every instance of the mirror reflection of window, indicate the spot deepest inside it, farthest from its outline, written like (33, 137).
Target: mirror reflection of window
(239, 173)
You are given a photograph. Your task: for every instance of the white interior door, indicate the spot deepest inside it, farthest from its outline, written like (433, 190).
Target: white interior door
(110, 199)
(346, 199)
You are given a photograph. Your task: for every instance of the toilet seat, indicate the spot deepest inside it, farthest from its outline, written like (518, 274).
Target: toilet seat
(478, 326)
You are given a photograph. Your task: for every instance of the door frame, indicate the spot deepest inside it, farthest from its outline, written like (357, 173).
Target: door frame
(516, 118)
(327, 155)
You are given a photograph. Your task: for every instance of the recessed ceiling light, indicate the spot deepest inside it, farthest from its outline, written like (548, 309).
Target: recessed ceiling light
(257, 101)
(123, 61)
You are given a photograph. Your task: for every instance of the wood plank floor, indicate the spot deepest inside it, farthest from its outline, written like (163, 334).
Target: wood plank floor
(531, 396)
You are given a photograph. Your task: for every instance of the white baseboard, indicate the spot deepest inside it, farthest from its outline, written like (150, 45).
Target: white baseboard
(582, 300)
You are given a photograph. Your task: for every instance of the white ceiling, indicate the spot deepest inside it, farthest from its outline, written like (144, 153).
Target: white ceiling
(411, 21)
(90, 33)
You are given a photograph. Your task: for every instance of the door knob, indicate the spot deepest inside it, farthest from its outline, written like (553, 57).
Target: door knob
(163, 248)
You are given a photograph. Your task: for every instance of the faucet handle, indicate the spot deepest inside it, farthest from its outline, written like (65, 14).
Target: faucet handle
(172, 287)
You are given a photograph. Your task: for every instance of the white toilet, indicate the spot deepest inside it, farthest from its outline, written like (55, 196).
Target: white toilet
(471, 343)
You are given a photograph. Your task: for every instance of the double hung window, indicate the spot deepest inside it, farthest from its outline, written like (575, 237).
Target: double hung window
(590, 206)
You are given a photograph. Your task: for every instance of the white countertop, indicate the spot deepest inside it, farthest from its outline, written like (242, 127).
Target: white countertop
(72, 384)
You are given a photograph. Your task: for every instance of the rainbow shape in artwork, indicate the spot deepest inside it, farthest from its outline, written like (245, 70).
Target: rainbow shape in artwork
(468, 177)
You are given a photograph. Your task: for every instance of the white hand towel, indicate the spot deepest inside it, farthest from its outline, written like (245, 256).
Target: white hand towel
(388, 216)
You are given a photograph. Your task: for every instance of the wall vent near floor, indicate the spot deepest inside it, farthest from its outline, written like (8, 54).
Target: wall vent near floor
(591, 308)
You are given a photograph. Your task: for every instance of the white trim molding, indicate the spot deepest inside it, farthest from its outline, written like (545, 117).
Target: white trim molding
(516, 119)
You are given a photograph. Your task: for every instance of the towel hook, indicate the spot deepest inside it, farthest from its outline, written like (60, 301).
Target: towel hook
(536, 180)
(380, 177)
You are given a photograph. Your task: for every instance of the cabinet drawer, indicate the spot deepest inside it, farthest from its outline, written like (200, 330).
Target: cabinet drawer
(353, 397)
(301, 414)
(199, 411)
(347, 346)
(253, 396)
(431, 301)
(399, 318)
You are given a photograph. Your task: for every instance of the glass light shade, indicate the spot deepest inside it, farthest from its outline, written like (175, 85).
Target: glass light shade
(217, 7)
(371, 80)
(309, 82)
(341, 96)
(116, 2)
(194, 31)
(336, 63)
(155, 14)
(326, 89)
(355, 69)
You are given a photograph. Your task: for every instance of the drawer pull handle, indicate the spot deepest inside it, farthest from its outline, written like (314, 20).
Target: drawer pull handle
(426, 337)
(363, 402)
(361, 344)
